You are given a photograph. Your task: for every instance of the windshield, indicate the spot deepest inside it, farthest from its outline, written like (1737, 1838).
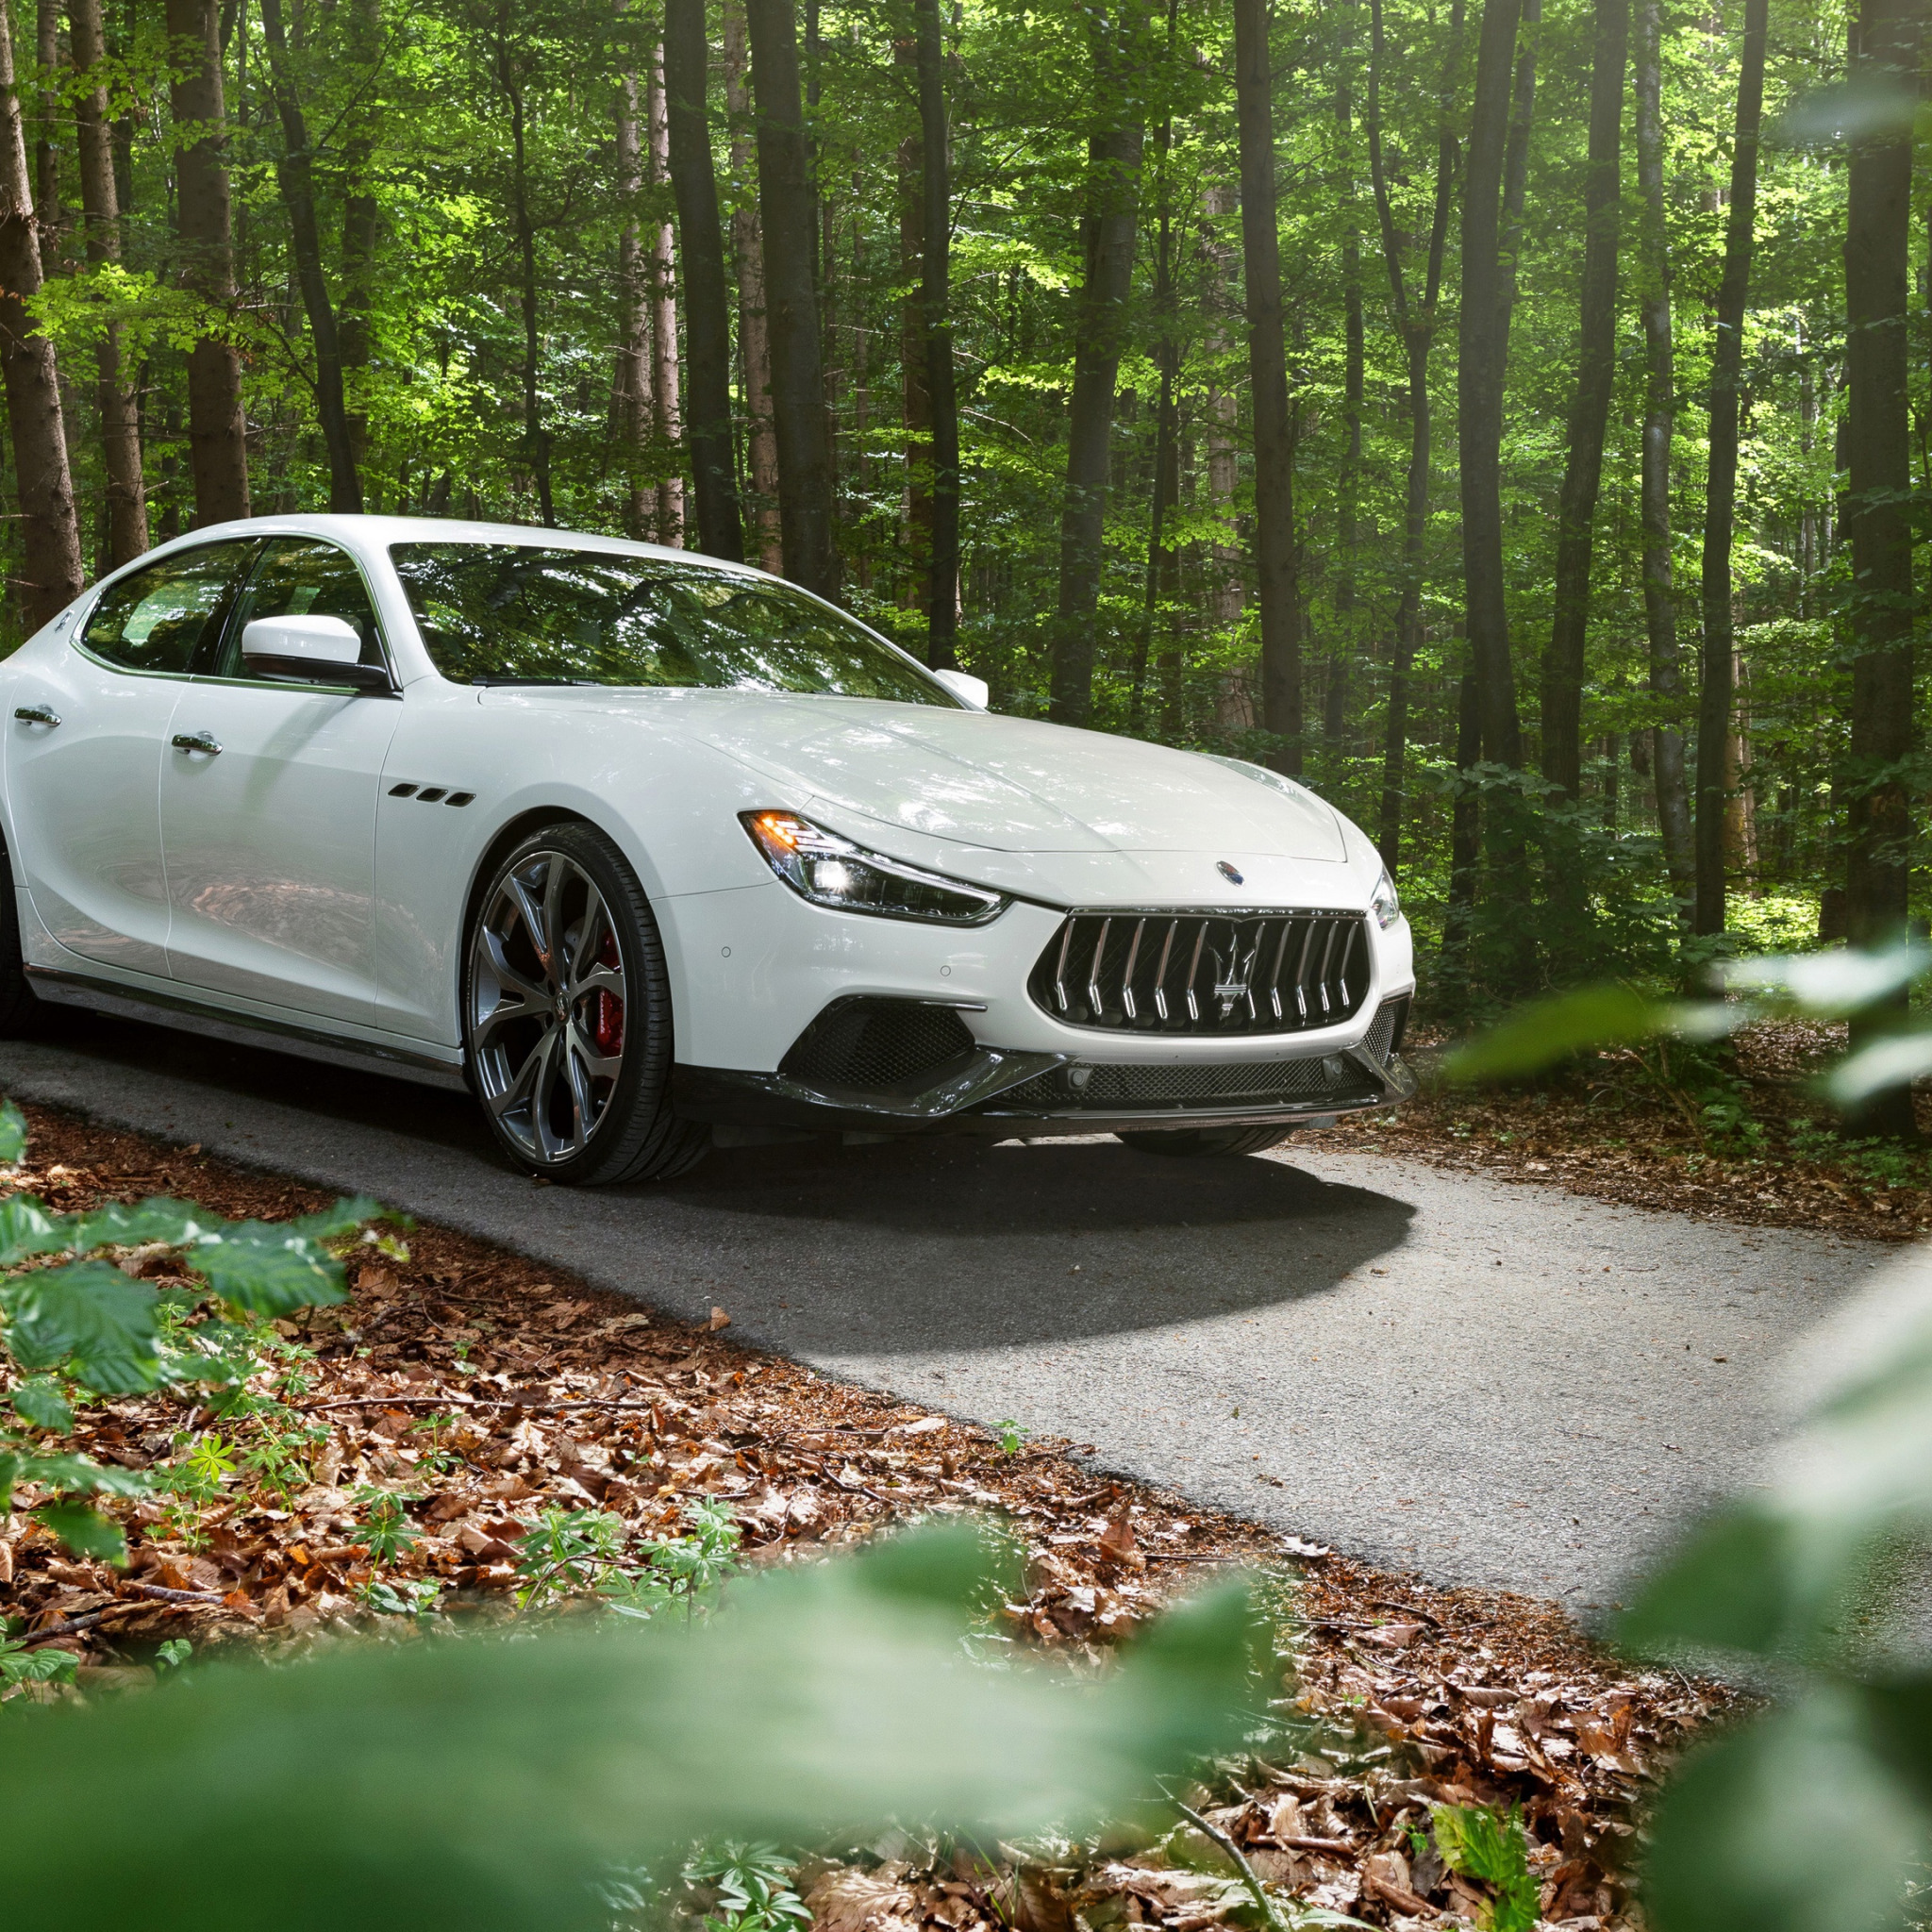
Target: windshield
(506, 613)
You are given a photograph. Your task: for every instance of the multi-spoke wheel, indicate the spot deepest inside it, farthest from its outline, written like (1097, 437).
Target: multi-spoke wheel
(567, 1013)
(1194, 1140)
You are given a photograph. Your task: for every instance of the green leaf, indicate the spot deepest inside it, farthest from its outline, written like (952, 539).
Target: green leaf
(91, 1318)
(1481, 1845)
(1796, 1824)
(114, 1225)
(12, 1135)
(269, 1268)
(1724, 1589)
(485, 1785)
(85, 1531)
(28, 1229)
(1545, 1031)
(1893, 1063)
(48, 1665)
(1831, 985)
(72, 1472)
(43, 1405)
(345, 1217)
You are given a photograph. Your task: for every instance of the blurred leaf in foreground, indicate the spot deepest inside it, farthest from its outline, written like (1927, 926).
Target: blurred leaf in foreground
(485, 1784)
(1545, 1031)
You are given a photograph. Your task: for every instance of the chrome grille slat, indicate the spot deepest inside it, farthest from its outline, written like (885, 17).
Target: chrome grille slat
(1213, 973)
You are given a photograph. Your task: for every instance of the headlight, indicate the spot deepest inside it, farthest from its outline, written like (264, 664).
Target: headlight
(830, 870)
(1383, 901)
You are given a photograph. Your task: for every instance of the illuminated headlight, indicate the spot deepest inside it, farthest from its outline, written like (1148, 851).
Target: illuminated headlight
(1383, 901)
(830, 870)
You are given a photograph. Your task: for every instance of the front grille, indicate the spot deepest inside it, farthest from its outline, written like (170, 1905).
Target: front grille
(1264, 1083)
(872, 1043)
(1204, 972)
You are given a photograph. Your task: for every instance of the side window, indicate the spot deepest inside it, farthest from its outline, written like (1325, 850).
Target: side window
(169, 616)
(297, 577)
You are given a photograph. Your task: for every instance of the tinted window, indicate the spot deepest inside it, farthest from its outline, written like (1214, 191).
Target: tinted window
(504, 614)
(298, 577)
(161, 617)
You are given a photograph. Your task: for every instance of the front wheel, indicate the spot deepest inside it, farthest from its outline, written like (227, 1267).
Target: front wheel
(1196, 1140)
(567, 1016)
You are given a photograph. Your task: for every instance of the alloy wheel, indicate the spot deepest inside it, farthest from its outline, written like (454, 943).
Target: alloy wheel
(547, 1006)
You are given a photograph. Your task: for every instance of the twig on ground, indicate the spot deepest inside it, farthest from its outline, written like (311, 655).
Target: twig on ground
(1270, 1911)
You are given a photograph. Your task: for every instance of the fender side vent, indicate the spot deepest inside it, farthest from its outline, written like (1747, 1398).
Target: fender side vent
(870, 1044)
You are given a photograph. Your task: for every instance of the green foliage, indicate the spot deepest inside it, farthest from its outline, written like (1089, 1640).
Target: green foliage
(46, 1664)
(483, 1784)
(753, 1884)
(1012, 1436)
(1480, 1844)
(387, 1531)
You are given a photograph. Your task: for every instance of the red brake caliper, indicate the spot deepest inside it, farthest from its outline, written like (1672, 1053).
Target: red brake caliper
(606, 1010)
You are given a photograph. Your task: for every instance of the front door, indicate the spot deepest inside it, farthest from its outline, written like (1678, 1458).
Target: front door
(268, 807)
(85, 747)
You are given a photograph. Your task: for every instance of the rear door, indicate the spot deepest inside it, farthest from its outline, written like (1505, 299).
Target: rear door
(84, 752)
(267, 806)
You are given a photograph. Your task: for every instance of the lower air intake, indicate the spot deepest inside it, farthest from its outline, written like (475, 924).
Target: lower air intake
(873, 1043)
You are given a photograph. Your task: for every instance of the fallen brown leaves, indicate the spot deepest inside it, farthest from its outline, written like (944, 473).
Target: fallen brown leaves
(484, 1388)
(1604, 1131)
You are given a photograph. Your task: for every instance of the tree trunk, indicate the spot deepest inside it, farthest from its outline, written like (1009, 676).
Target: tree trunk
(916, 402)
(360, 216)
(1234, 704)
(217, 434)
(1417, 327)
(787, 217)
(294, 173)
(1877, 246)
(706, 317)
(1715, 688)
(1277, 585)
(50, 530)
(936, 263)
(1110, 223)
(754, 340)
(1659, 423)
(119, 405)
(664, 384)
(46, 155)
(1589, 409)
(1348, 485)
(510, 79)
(631, 390)
(1482, 342)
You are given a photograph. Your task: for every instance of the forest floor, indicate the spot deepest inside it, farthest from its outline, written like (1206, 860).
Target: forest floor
(1744, 1137)
(418, 1456)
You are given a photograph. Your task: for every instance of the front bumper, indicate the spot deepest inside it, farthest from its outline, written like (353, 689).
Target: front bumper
(1004, 1091)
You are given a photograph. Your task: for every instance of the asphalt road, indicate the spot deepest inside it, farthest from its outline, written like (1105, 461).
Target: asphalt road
(1485, 1382)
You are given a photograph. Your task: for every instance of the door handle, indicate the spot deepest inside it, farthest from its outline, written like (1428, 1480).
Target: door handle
(196, 740)
(36, 714)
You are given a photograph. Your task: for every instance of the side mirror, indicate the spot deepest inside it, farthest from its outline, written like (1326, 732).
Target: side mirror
(962, 684)
(325, 649)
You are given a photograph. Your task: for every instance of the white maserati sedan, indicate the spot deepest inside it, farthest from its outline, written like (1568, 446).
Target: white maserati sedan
(652, 853)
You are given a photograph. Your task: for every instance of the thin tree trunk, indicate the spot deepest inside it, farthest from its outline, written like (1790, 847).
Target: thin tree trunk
(630, 390)
(50, 530)
(360, 216)
(1716, 686)
(46, 155)
(1348, 487)
(747, 247)
(1110, 224)
(707, 315)
(788, 224)
(1589, 409)
(915, 399)
(1417, 327)
(936, 262)
(1465, 820)
(1659, 423)
(217, 434)
(1483, 350)
(1277, 586)
(1234, 703)
(664, 384)
(119, 405)
(296, 176)
(1882, 608)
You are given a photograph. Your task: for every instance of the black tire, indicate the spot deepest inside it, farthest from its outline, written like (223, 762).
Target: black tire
(567, 1034)
(1199, 1140)
(20, 1007)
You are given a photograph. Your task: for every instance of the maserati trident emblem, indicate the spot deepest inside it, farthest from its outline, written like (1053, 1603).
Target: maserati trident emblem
(1228, 872)
(1233, 973)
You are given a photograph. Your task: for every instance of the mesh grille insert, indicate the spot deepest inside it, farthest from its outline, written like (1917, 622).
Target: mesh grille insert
(1204, 972)
(870, 1043)
(1111, 1089)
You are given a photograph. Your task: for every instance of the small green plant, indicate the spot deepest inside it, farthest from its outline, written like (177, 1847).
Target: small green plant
(386, 1532)
(402, 1597)
(199, 1476)
(172, 1655)
(1012, 1436)
(569, 1550)
(753, 1886)
(1480, 1844)
(47, 1665)
(438, 1457)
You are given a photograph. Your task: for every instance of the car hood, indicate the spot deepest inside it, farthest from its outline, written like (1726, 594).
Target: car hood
(1011, 784)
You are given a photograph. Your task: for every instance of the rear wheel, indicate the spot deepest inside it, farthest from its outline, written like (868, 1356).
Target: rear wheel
(567, 1016)
(1196, 1140)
